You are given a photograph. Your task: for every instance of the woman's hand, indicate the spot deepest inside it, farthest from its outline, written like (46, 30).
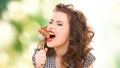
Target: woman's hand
(40, 58)
(91, 66)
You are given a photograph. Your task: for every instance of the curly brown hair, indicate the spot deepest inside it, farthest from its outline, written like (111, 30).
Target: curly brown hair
(80, 37)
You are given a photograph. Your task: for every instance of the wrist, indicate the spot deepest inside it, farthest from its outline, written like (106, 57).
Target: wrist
(40, 66)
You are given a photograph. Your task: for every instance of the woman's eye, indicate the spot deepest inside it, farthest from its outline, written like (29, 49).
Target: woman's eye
(50, 22)
(60, 24)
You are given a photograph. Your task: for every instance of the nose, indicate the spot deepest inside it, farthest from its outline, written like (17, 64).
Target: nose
(50, 26)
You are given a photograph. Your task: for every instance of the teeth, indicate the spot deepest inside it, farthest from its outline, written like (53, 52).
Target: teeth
(51, 34)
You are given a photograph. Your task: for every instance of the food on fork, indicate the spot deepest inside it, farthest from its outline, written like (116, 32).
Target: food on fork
(45, 33)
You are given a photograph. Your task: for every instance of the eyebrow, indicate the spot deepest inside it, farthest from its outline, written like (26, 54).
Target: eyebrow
(51, 19)
(57, 21)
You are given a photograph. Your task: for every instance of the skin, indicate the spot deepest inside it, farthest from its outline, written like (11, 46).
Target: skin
(91, 66)
(59, 24)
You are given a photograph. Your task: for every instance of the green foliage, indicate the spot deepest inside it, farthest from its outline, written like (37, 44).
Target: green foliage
(25, 38)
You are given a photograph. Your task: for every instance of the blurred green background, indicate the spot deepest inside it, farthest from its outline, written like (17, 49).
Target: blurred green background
(21, 19)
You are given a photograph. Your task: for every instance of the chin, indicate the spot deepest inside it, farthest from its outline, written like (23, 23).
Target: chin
(49, 45)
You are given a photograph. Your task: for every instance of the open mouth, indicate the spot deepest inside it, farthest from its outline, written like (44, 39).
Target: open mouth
(52, 35)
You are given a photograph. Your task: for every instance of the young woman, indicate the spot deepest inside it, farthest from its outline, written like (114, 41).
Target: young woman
(69, 44)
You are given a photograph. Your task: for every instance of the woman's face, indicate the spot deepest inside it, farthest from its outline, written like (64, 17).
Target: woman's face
(58, 28)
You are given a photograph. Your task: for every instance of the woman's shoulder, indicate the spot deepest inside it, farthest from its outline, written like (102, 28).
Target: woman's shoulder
(91, 58)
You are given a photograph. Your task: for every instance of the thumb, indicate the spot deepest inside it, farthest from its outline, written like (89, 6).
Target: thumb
(46, 49)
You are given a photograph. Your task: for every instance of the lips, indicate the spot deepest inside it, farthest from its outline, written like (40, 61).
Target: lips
(52, 36)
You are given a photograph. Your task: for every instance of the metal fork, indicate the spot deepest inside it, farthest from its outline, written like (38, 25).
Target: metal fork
(42, 42)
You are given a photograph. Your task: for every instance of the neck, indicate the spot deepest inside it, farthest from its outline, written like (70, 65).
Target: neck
(61, 50)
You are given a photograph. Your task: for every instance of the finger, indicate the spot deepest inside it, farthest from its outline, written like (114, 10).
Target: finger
(40, 52)
(40, 60)
(46, 49)
(40, 55)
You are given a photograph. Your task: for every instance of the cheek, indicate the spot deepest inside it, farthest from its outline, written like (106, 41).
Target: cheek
(63, 35)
